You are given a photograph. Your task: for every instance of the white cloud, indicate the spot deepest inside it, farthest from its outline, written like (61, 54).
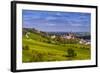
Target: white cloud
(50, 18)
(58, 14)
(51, 24)
(76, 24)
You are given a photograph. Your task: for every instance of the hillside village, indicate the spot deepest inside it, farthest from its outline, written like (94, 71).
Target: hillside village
(67, 36)
(72, 36)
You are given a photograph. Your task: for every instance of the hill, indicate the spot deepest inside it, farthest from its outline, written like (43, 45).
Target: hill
(39, 47)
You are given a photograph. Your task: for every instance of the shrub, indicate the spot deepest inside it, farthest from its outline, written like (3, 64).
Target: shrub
(71, 53)
(25, 47)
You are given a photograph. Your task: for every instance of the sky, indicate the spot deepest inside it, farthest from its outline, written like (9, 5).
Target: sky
(55, 21)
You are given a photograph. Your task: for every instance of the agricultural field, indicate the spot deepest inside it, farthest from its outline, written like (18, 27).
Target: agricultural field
(37, 47)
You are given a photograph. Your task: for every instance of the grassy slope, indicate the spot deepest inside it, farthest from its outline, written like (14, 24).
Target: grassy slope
(41, 51)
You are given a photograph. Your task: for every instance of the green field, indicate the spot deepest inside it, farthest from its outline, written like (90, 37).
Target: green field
(38, 48)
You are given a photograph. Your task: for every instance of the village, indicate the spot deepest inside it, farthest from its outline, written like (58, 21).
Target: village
(67, 36)
(72, 36)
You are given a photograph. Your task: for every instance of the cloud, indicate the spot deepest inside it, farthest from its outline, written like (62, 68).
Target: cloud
(59, 14)
(50, 24)
(51, 18)
(79, 25)
(76, 24)
(56, 21)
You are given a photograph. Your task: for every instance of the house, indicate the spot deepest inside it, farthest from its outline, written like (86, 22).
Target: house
(88, 43)
(82, 41)
(53, 36)
(69, 36)
(85, 42)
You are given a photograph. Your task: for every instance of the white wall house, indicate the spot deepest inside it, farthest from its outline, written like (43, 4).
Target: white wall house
(53, 36)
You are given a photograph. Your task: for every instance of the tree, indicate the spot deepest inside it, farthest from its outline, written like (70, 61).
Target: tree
(71, 53)
(26, 47)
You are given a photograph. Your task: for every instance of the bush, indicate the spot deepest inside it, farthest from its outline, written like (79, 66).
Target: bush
(25, 47)
(71, 53)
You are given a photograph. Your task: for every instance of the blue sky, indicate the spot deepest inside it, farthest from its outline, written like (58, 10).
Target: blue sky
(53, 21)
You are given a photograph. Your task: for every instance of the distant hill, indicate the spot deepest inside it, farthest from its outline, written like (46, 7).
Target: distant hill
(33, 30)
(35, 34)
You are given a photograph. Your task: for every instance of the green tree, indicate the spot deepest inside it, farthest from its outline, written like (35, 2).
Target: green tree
(71, 53)
(26, 47)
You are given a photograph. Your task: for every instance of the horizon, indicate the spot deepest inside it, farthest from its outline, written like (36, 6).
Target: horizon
(57, 31)
(55, 21)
